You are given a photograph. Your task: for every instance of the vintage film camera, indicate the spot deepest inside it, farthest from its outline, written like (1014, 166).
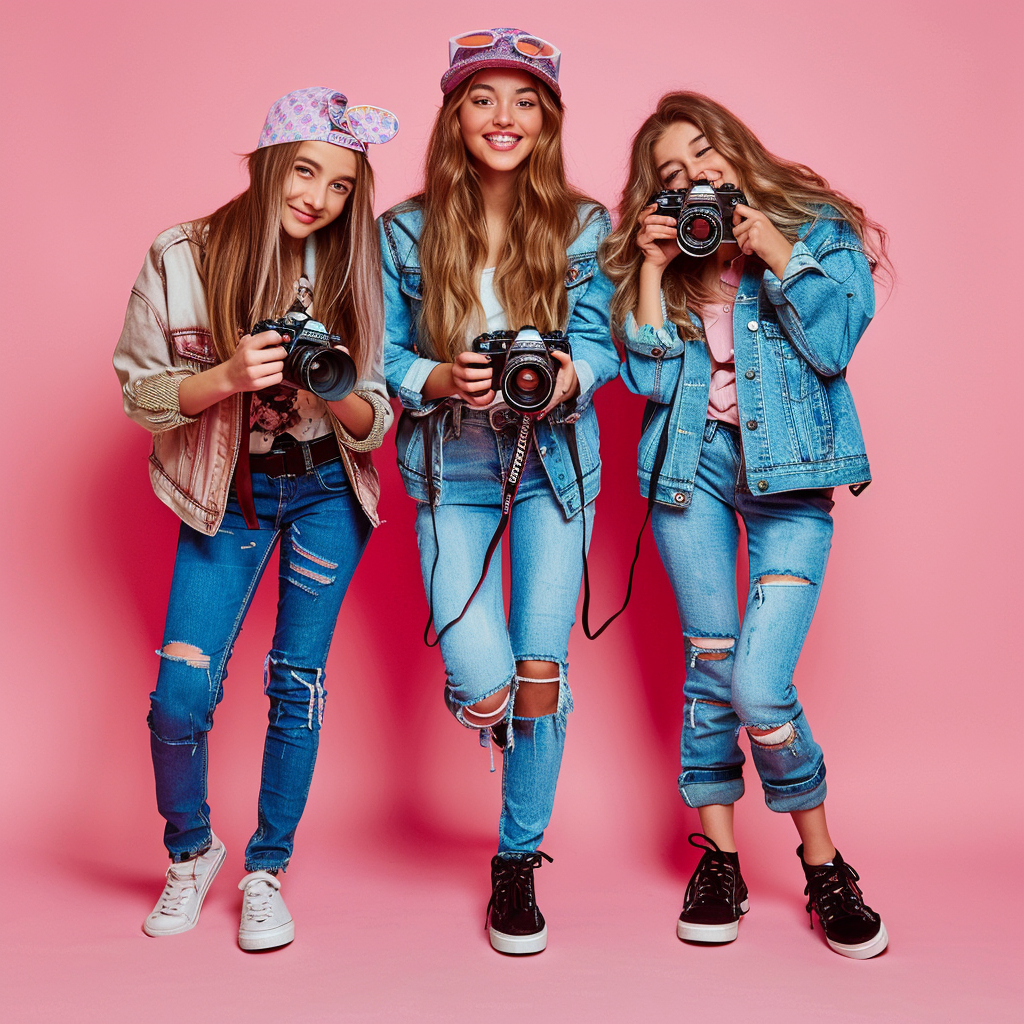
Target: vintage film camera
(703, 214)
(312, 363)
(523, 367)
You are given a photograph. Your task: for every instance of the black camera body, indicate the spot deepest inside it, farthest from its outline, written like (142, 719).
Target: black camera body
(312, 363)
(703, 214)
(523, 368)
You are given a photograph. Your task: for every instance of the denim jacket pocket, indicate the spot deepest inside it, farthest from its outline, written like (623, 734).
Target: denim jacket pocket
(409, 442)
(792, 367)
(411, 282)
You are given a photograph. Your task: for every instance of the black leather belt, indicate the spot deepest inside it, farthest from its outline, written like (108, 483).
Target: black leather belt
(298, 458)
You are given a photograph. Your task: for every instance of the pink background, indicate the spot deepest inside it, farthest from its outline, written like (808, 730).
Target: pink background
(124, 118)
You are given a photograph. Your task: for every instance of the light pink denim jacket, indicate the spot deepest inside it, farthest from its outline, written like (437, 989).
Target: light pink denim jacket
(166, 337)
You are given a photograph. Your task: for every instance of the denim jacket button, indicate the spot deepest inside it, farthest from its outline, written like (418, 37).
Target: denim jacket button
(750, 375)
(657, 352)
(751, 424)
(762, 485)
(752, 325)
(679, 497)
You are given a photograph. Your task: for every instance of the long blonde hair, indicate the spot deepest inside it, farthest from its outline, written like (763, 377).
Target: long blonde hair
(530, 277)
(239, 249)
(789, 194)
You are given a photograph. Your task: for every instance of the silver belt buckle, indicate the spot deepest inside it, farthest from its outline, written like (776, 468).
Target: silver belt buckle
(307, 458)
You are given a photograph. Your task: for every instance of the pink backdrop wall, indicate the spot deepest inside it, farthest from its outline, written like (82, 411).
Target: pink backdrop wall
(123, 118)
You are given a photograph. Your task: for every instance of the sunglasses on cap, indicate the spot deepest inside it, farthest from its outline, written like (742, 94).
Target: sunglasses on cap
(482, 39)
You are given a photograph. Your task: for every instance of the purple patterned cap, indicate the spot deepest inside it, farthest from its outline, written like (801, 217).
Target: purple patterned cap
(500, 48)
(319, 114)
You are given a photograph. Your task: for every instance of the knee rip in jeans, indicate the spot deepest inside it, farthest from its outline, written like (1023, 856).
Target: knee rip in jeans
(188, 653)
(313, 699)
(772, 738)
(778, 579)
(710, 648)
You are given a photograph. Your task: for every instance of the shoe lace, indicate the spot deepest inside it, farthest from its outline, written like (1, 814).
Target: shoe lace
(258, 902)
(513, 884)
(833, 892)
(714, 881)
(178, 890)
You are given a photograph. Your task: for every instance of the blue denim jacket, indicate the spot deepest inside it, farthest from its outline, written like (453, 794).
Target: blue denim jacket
(408, 358)
(792, 339)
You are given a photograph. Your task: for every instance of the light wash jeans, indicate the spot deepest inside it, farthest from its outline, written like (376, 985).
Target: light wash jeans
(323, 532)
(481, 651)
(788, 534)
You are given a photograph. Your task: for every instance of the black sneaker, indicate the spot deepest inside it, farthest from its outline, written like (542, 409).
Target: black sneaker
(851, 927)
(515, 923)
(716, 897)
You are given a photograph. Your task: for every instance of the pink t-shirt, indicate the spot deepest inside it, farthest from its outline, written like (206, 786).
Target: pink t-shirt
(718, 330)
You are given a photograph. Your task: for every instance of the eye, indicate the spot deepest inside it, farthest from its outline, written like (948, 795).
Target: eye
(526, 103)
(303, 171)
(341, 188)
(671, 176)
(706, 149)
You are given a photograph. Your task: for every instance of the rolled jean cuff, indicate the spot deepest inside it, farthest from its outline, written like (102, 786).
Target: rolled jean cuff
(700, 787)
(800, 795)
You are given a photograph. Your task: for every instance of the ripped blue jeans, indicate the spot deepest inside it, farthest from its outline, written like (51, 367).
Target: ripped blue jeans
(746, 680)
(323, 532)
(481, 651)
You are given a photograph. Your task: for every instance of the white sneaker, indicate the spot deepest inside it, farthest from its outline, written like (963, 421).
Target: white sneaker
(266, 923)
(178, 908)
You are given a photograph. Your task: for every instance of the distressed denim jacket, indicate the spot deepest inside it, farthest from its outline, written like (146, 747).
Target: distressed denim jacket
(793, 339)
(408, 359)
(167, 337)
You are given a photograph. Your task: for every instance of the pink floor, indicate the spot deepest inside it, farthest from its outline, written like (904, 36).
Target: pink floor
(386, 932)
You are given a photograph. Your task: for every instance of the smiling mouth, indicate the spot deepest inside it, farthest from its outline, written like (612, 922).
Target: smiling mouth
(302, 216)
(502, 140)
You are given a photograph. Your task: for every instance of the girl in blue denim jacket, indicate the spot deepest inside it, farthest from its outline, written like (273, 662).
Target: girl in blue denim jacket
(498, 240)
(742, 352)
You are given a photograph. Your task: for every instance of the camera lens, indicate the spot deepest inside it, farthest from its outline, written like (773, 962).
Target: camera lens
(527, 383)
(328, 372)
(700, 230)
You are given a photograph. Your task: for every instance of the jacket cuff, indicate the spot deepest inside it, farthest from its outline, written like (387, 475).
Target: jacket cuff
(156, 397)
(381, 418)
(656, 342)
(799, 263)
(410, 391)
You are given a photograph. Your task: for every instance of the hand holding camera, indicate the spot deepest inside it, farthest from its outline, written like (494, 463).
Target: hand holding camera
(312, 359)
(533, 371)
(757, 235)
(471, 378)
(257, 362)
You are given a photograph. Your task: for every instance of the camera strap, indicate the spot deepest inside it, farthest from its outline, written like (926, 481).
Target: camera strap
(243, 473)
(652, 491)
(508, 496)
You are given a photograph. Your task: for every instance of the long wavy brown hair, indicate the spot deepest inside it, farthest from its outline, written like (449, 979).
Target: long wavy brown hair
(530, 276)
(240, 259)
(790, 194)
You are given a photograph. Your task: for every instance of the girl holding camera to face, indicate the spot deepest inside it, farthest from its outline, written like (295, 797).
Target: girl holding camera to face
(742, 353)
(498, 240)
(246, 456)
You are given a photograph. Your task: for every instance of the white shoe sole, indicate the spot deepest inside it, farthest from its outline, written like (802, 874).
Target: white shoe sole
(201, 895)
(270, 939)
(863, 950)
(517, 945)
(711, 933)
